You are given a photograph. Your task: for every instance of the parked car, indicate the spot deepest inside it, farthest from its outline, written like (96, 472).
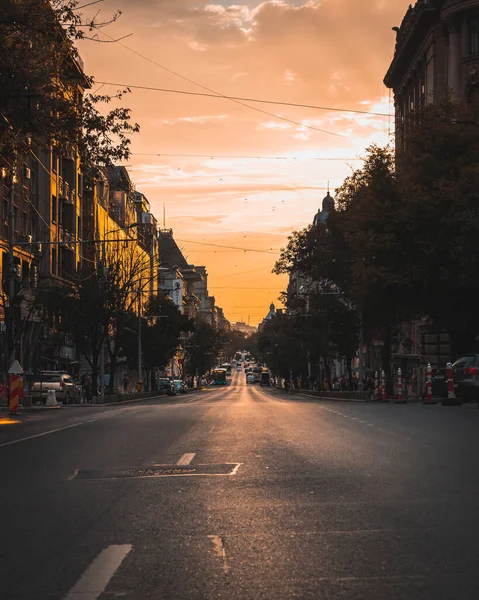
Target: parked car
(65, 387)
(466, 377)
(250, 378)
(165, 385)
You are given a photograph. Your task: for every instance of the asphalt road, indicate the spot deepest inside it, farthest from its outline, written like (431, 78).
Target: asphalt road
(240, 493)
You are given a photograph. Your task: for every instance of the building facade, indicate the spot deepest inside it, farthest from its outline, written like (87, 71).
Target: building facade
(436, 58)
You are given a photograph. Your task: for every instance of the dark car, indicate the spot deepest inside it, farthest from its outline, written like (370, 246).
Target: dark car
(165, 385)
(466, 377)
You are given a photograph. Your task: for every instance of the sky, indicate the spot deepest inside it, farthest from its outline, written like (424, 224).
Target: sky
(225, 174)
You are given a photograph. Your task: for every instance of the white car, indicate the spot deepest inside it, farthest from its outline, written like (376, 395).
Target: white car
(250, 378)
(238, 369)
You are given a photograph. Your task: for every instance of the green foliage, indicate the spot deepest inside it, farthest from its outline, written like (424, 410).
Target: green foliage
(41, 96)
(161, 331)
(403, 242)
(203, 349)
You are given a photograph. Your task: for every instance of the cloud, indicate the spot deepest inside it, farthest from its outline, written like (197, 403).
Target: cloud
(331, 53)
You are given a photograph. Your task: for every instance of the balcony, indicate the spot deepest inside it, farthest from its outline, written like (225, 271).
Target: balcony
(64, 192)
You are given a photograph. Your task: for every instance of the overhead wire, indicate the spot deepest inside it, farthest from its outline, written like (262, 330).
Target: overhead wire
(218, 94)
(238, 156)
(243, 99)
(270, 251)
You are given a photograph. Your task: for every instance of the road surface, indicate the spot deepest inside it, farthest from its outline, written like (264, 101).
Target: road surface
(240, 493)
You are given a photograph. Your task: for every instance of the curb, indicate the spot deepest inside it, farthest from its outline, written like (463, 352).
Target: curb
(29, 409)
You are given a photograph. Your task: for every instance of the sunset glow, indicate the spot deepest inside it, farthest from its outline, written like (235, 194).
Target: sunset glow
(231, 175)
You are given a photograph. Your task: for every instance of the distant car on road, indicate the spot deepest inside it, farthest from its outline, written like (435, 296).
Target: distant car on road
(250, 378)
(238, 369)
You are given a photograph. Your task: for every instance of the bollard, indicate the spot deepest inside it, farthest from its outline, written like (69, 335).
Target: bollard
(383, 386)
(376, 386)
(451, 394)
(14, 393)
(429, 398)
(400, 399)
(51, 398)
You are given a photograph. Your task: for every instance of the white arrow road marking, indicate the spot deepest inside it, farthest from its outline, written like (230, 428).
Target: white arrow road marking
(186, 459)
(95, 579)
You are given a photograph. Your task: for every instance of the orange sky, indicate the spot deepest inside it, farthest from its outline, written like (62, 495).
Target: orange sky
(331, 53)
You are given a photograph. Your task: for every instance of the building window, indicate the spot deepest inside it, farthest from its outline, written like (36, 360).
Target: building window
(474, 35)
(54, 209)
(54, 262)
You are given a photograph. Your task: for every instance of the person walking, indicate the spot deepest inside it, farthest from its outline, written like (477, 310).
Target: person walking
(125, 382)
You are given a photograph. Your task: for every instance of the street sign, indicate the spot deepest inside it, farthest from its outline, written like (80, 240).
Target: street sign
(15, 369)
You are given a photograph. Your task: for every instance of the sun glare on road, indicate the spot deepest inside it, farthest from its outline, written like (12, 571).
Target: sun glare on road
(9, 421)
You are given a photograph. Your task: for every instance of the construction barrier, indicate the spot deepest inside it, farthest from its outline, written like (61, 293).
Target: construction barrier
(376, 386)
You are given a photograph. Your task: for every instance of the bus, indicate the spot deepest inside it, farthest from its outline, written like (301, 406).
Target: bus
(227, 368)
(219, 377)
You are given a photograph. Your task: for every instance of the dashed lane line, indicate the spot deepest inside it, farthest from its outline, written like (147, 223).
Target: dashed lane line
(94, 581)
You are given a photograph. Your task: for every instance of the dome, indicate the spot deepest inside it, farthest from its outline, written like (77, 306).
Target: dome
(328, 203)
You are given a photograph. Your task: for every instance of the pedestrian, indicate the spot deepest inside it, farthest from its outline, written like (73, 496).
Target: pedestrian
(125, 382)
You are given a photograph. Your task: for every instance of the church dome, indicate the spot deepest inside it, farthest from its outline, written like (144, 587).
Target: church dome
(328, 203)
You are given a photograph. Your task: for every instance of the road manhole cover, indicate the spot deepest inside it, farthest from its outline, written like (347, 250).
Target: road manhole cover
(157, 471)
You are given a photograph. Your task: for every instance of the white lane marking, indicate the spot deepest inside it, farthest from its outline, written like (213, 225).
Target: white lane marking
(219, 548)
(95, 579)
(186, 458)
(37, 435)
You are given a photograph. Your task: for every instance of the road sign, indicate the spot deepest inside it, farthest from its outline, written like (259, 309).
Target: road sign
(15, 369)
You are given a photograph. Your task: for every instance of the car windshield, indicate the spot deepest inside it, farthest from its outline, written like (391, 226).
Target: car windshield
(48, 378)
(465, 361)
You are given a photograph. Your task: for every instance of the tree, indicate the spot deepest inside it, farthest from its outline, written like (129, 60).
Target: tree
(88, 307)
(439, 177)
(360, 251)
(202, 349)
(161, 331)
(41, 96)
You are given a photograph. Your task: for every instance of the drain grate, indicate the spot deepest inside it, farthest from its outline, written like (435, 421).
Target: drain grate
(157, 471)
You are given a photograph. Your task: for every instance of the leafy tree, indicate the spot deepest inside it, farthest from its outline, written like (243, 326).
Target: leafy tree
(42, 81)
(360, 252)
(161, 332)
(202, 349)
(439, 219)
(88, 307)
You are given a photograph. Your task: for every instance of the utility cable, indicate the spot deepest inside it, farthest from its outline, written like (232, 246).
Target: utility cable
(230, 247)
(243, 99)
(233, 156)
(260, 110)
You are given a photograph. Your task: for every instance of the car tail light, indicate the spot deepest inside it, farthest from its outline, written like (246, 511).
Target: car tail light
(471, 371)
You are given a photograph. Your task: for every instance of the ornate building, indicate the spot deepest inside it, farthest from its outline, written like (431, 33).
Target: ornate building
(436, 57)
